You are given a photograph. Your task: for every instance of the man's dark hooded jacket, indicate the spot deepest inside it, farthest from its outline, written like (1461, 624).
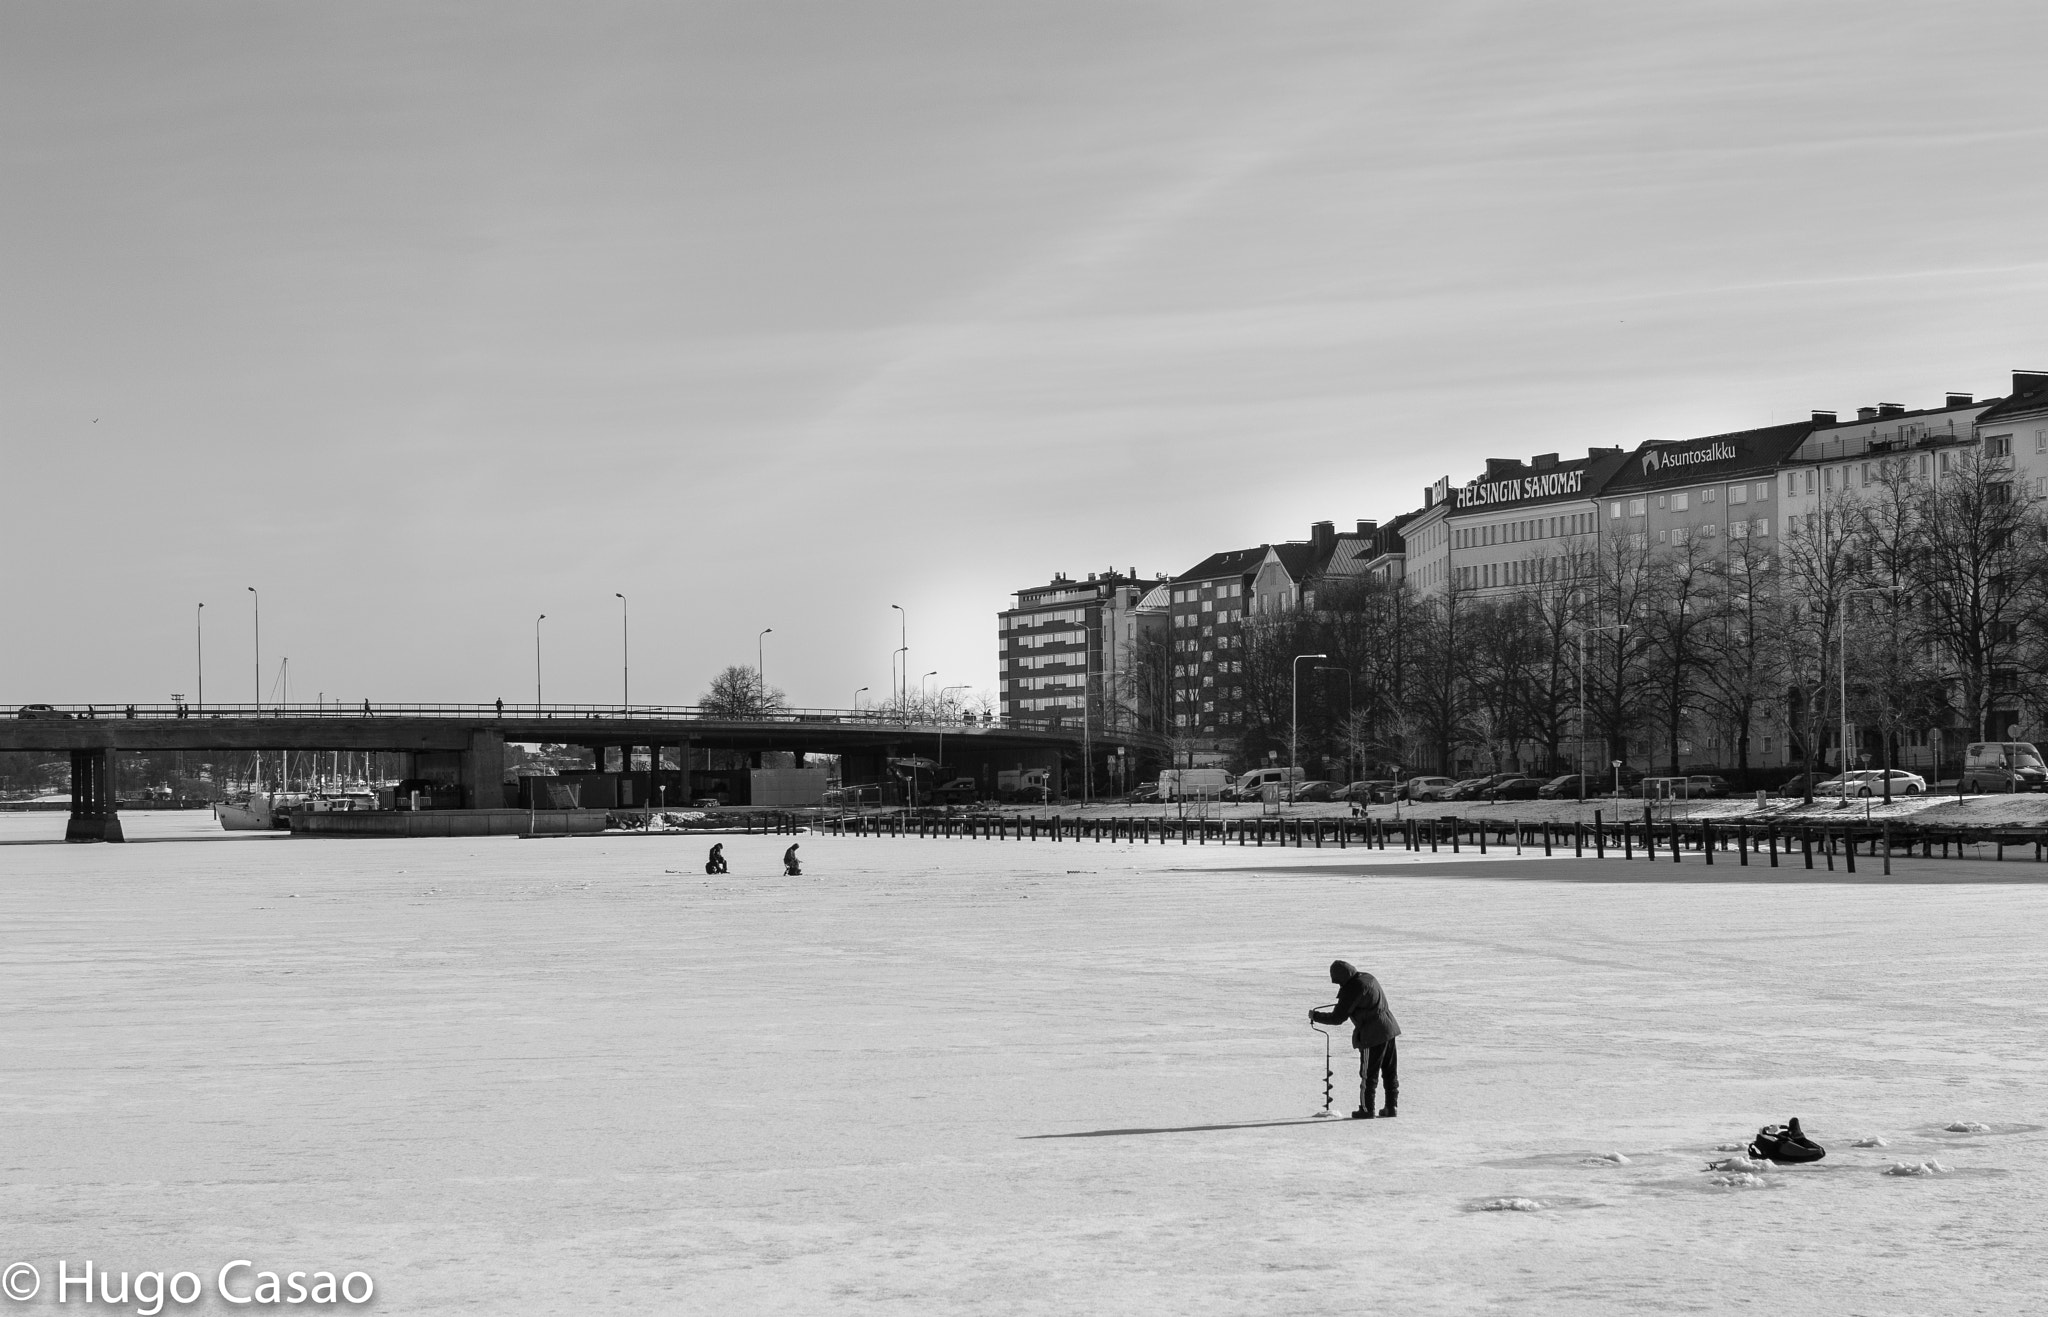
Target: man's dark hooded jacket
(1361, 1001)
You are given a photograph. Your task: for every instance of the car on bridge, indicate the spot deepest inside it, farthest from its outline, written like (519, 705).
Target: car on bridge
(41, 711)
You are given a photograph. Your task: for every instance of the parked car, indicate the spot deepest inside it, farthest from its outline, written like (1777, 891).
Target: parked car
(1567, 787)
(1870, 782)
(1796, 785)
(2003, 766)
(1306, 791)
(1521, 788)
(1421, 788)
(1706, 786)
(1481, 788)
(1365, 793)
(960, 791)
(41, 711)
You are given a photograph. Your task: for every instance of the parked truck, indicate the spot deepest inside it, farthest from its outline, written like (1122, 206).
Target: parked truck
(1030, 785)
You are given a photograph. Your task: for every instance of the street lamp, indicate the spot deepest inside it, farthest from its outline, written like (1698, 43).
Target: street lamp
(199, 641)
(856, 699)
(256, 601)
(923, 685)
(761, 660)
(536, 660)
(1617, 626)
(1349, 757)
(903, 638)
(625, 651)
(1294, 725)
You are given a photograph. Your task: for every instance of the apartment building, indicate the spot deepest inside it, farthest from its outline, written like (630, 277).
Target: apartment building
(2017, 427)
(1524, 523)
(1847, 458)
(1426, 535)
(1698, 496)
(1067, 638)
(1205, 633)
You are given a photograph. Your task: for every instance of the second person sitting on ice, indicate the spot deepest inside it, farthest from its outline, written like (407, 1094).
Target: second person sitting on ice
(1362, 1001)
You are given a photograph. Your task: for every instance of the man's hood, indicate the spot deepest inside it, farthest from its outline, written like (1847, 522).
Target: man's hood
(1340, 970)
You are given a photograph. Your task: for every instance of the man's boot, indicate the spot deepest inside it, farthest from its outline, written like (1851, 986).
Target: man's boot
(1363, 1113)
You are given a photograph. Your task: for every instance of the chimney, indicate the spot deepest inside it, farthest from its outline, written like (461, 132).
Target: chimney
(1866, 413)
(1368, 529)
(2029, 381)
(1543, 461)
(1887, 410)
(1823, 418)
(1496, 467)
(1323, 534)
(1593, 454)
(1958, 400)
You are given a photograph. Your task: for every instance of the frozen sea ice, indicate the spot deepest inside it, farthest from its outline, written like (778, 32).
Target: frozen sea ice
(1512, 1205)
(1917, 1168)
(1967, 1127)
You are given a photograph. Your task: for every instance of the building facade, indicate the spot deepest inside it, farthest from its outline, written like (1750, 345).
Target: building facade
(1523, 524)
(1073, 646)
(1205, 643)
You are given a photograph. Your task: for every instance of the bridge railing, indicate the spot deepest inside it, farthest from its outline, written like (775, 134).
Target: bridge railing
(529, 712)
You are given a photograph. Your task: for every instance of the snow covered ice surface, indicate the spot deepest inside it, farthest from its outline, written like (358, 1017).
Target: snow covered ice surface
(557, 1076)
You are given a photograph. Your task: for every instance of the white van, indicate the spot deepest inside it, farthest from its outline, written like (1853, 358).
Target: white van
(1193, 783)
(1251, 784)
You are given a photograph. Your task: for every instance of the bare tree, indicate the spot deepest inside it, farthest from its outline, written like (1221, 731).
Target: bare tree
(739, 692)
(1679, 618)
(1819, 562)
(1744, 672)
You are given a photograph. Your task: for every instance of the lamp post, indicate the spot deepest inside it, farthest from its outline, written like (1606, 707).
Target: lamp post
(924, 685)
(625, 651)
(1350, 766)
(903, 648)
(856, 699)
(1617, 626)
(1294, 724)
(256, 601)
(942, 731)
(536, 660)
(199, 643)
(761, 663)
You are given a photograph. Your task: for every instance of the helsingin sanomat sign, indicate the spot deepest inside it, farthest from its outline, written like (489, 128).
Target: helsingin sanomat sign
(1480, 493)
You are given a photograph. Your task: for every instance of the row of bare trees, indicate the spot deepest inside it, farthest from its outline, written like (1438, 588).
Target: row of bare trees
(1932, 591)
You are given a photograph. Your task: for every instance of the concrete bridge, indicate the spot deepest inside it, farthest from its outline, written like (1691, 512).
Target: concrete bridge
(464, 745)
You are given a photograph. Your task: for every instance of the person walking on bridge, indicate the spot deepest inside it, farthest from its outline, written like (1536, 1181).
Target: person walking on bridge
(1362, 1001)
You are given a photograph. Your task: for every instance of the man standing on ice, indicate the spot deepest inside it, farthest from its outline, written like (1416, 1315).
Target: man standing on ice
(1362, 1001)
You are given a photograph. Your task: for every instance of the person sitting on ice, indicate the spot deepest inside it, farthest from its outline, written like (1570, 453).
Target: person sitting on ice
(790, 867)
(1362, 1001)
(716, 864)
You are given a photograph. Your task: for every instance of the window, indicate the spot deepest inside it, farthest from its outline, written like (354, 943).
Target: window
(1763, 490)
(1661, 501)
(1737, 493)
(1663, 537)
(1680, 535)
(1827, 478)
(1762, 526)
(1708, 495)
(1614, 512)
(1998, 445)
(1738, 530)
(1679, 502)
(1944, 463)
(1866, 475)
(1635, 507)
(1709, 531)
(1809, 482)
(2040, 442)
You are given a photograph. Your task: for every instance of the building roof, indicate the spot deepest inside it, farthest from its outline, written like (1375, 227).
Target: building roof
(1236, 562)
(1666, 463)
(2020, 404)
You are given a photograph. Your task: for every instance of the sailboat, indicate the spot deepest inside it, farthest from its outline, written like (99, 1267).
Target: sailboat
(258, 810)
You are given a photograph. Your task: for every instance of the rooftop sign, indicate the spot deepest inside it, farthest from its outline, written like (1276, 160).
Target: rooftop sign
(1657, 459)
(1483, 493)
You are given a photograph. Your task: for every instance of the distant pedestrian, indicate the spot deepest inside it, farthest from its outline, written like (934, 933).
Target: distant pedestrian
(501, 706)
(716, 864)
(366, 708)
(790, 867)
(1362, 1001)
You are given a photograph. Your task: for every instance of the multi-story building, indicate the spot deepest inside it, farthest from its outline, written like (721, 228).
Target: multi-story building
(2018, 427)
(1068, 638)
(1426, 540)
(1524, 523)
(1697, 496)
(1205, 648)
(1846, 458)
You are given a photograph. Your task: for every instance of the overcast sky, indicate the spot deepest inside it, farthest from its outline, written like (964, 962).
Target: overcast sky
(425, 318)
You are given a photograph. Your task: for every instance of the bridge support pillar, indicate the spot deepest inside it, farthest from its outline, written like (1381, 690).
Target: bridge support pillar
(483, 770)
(93, 816)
